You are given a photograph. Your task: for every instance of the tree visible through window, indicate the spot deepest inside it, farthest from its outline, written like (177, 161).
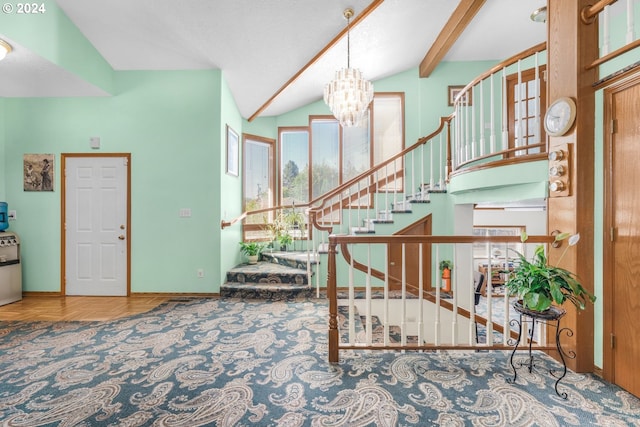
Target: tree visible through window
(316, 159)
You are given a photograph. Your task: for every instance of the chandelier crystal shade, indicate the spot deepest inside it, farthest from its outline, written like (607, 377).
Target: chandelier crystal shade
(349, 94)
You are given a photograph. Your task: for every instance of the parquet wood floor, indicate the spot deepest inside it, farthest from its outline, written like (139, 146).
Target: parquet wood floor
(56, 308)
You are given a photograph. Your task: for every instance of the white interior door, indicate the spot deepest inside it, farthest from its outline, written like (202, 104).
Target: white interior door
(96, 225)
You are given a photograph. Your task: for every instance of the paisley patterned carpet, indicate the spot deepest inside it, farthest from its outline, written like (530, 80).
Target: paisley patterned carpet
(248, 362)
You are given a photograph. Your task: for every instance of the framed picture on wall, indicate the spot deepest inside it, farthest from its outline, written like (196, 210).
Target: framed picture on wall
(453, 93)
(38, 172)
(233, 152)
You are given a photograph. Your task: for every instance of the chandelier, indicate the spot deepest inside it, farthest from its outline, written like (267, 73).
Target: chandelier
(349, 94)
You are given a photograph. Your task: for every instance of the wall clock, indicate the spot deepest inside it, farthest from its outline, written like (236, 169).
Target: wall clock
(560, 116)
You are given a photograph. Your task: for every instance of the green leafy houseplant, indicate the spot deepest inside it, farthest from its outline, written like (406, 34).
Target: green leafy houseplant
(252, 250)
(539, 284)
(445, 263)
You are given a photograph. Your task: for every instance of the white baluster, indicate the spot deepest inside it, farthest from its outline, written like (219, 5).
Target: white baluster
(482, 138)
(505, 125)
(492, 137)
(606, 36)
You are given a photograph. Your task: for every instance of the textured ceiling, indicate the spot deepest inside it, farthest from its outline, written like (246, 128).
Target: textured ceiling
(261, 44)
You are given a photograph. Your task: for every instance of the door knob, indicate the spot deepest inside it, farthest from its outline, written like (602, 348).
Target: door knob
(121, 237)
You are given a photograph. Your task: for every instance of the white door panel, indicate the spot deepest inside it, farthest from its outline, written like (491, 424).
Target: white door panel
(96, 219)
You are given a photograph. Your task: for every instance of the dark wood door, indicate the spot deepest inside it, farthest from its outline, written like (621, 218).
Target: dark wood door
(622, 254)
(412, 258)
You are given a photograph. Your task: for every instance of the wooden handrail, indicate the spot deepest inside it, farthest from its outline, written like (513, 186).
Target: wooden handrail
(224, 224)
(433, 239)
(509, 61)
(346, 185)
(502, 153)
(624, 49)
(590, 12)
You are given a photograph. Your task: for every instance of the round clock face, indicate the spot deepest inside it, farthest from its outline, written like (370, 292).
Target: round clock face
(560, 116)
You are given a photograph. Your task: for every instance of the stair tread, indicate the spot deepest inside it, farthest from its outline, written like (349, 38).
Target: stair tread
(298, 257)
(264, 267)
(265, 285)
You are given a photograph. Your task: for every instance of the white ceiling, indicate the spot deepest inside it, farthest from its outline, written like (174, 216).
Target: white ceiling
(261, 44)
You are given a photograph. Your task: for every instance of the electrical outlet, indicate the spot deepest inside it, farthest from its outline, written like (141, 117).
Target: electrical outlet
(200, 273)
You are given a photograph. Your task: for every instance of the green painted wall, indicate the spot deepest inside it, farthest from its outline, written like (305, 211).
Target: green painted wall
(3, 181)
(169, 122)
(229, 188)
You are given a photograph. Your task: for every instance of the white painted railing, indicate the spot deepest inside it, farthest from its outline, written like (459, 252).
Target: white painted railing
(482, 129)
(419, 315)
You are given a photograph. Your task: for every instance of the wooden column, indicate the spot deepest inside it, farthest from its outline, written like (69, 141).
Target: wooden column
(571, 46)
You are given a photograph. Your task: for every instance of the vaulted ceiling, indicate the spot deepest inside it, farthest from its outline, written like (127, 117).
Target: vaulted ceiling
(276, 55)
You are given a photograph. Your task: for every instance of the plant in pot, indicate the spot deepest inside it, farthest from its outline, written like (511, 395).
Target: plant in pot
(296, 222)
(284, 239)
(445, 271)
(538, 285)
(252, 250)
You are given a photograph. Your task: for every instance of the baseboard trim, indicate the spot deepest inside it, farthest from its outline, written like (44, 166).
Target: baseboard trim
(58, 294)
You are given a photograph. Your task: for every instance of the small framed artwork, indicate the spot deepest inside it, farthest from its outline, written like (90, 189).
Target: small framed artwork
(453, 93)
(233, 152)
(38, 172)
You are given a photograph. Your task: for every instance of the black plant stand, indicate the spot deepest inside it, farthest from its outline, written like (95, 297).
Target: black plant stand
(551, 317)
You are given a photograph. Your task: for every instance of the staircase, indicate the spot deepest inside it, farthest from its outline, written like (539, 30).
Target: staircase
(283, 275)
(280, 275)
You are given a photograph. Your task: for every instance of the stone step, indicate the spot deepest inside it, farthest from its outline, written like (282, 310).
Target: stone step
(290, 259)
(266, 291)
(265, 272)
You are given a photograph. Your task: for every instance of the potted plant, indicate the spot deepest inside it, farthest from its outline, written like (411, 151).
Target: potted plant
(296, 222)
(252, 250)
(445, 271)
(538, 285)
(285, 239)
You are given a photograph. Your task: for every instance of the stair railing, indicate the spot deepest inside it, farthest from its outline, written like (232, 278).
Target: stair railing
(427, 317)
(352, 207)
(482, 124)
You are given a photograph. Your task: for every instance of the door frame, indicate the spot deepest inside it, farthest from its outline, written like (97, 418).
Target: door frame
(608, 275)
(63, 215)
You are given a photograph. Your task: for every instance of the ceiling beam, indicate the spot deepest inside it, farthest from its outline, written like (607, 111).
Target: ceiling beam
(374, 4)
(455, 26)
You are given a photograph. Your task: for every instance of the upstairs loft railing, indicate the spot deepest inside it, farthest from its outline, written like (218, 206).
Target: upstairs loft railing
(498, 114)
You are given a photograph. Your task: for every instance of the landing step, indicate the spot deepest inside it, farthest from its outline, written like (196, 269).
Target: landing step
(290, 259)
(267, 273)
(266, 291)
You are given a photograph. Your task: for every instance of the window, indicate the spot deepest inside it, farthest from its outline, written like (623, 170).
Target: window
(388, 138)
(497, 252)
(294, 166)
(258, 182)
(333, 155)
(325, 155)
(525, 110)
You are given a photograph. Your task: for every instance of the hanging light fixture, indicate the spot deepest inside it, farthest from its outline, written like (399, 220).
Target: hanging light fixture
(539, 15)
(349, 94)
(5, 48)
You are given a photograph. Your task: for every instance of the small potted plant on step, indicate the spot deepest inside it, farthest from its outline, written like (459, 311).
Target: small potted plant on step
(252, 250)
(538, 285)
